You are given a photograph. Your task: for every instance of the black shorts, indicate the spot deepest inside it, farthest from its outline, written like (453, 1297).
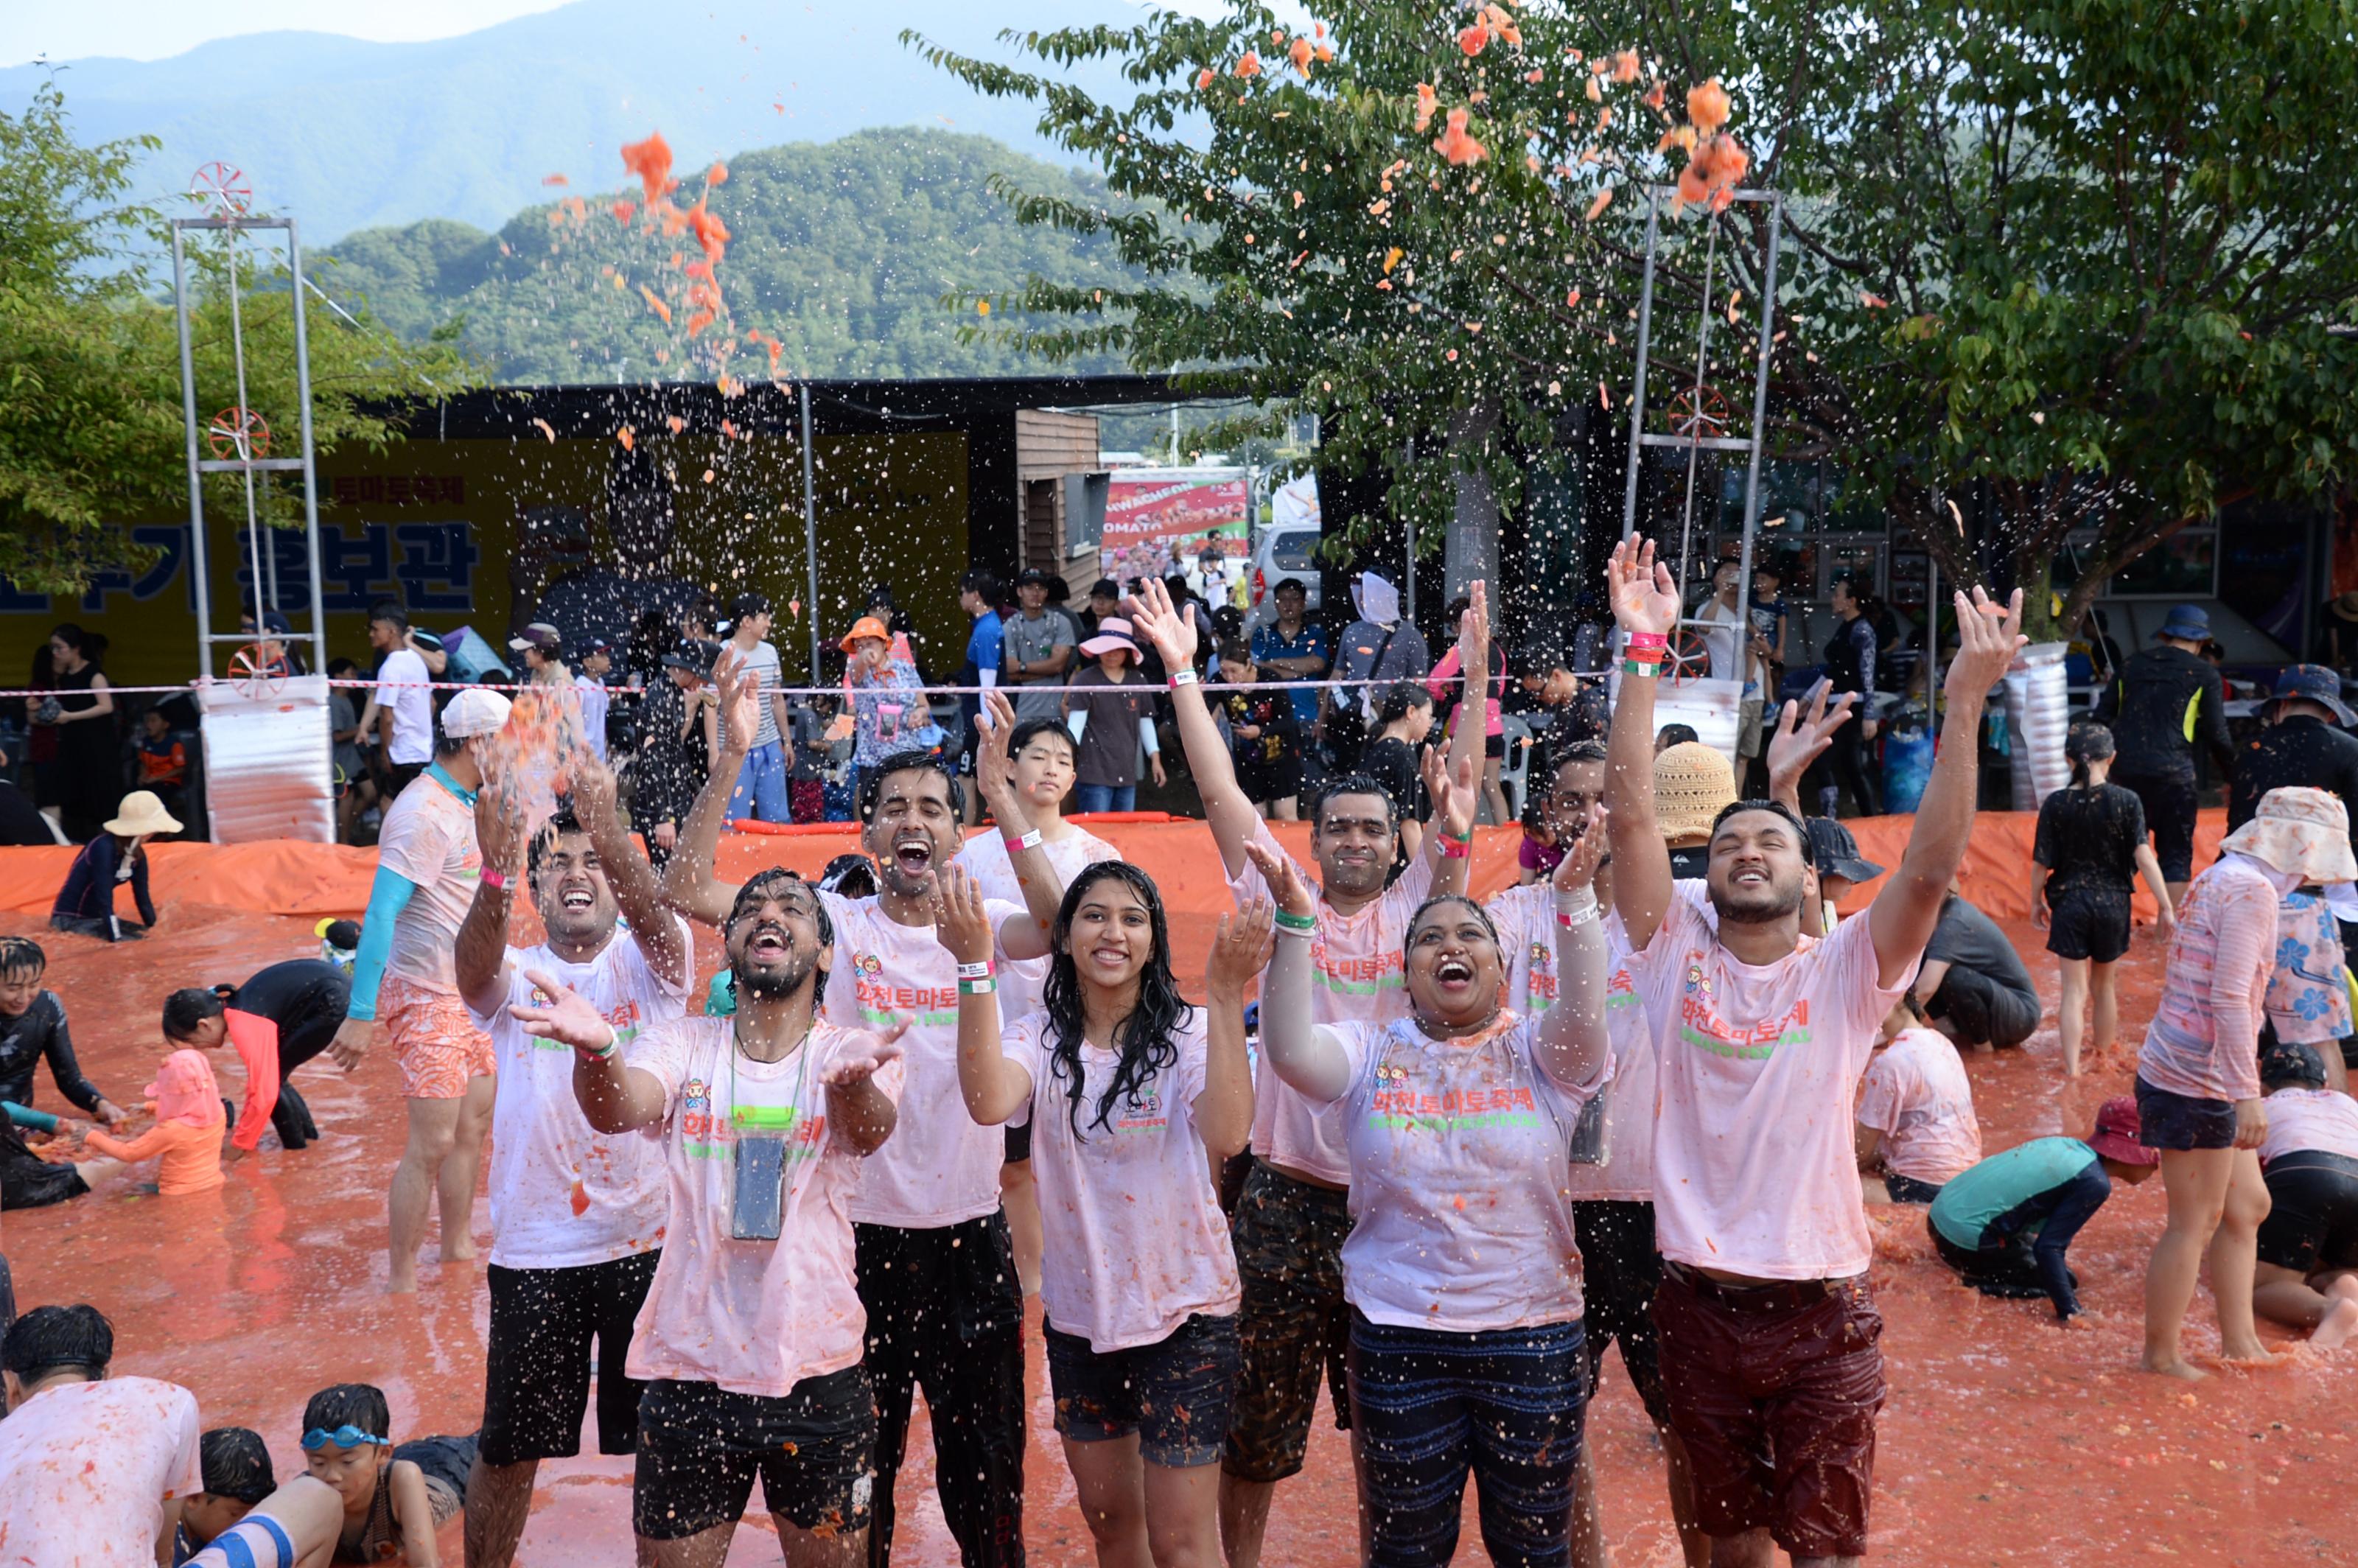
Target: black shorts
(2312, 1220)
(1495, 747)
(1620, 1271)
(2166, 1120)
(1017, 1143)
(1909, 1190)
(700, 1448)
(2170, 806)
(399, 777)
(536, 1363)
(1175, 1394)
(2088, 923)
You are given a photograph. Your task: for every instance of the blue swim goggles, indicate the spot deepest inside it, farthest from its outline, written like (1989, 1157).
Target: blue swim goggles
(345, 1436)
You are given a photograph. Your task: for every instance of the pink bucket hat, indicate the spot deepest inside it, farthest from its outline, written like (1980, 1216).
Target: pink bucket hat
(2299, 830)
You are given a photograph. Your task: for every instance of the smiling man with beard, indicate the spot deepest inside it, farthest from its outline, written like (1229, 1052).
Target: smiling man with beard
(938, 1276)
(750, 1341)
(577, 1218)
(1769, 1338)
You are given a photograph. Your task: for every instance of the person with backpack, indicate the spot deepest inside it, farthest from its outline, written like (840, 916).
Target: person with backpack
(1376, 650)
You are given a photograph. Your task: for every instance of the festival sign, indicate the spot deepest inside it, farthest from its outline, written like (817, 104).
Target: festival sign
(1158, 517)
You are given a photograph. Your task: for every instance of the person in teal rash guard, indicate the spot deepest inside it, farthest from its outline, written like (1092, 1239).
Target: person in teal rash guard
(427, 865)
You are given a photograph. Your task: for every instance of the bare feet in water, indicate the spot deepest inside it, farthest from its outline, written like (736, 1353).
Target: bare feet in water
(2338, 1323)
(2178, 1368)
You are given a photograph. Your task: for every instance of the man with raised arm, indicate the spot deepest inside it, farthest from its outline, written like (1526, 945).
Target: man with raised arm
(1768, 1338)
(937, 1275)
(751, 1338)
(1291, 1221)
(577, 1218)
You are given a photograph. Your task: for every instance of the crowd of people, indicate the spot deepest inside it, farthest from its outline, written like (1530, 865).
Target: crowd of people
(1645, 1095)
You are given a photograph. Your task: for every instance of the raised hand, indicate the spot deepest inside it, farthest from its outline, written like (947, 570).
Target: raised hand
(593, 789)
(1282, 876)
(860, 1063)
(1455, 790)
(501, 830)
(1241, 946)
(739, 693)
(1578, 867)
(994, 764)
(1474, 632)
(1170, 629)
(1988, 636)
(568, 1019)
(1644, 597)
(961, 924)
(1801, 738)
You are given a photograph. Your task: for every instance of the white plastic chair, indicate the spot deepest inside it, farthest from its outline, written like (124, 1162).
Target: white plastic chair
(1515, 767)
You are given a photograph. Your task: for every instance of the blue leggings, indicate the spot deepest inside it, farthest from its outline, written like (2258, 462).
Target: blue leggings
(1428, 1406)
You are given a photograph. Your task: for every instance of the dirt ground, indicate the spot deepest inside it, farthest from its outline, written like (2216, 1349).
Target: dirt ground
(2004, 1439)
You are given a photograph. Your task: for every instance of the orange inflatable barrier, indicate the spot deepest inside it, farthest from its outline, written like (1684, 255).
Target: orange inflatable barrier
(311, 881)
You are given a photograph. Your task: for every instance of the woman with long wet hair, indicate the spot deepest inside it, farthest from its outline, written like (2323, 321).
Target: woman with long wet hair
(1462, 1272)
(1134, 1095)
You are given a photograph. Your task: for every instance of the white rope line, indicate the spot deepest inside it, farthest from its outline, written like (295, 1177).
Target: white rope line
(1011, 691)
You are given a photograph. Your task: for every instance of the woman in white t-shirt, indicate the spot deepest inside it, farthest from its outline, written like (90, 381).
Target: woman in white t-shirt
(1461, 1268)
(1040, 754)
(1134, 1097)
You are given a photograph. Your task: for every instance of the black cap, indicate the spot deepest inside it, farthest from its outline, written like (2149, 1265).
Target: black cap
(1030, 575)
(2291, 1061)
(1833, 851)
(595, 645)
(343, 934)
(695, 657)
(1105, 588)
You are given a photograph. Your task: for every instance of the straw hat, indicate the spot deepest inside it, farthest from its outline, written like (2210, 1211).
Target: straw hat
(1693, 784)
(866, 626)
(143, 816)
(2299, 830)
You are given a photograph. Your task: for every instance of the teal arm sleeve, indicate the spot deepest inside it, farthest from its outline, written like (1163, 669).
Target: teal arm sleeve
(388, 899)
(25, 1116)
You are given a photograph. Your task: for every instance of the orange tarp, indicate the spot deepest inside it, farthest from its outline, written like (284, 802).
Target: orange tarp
(314, 879)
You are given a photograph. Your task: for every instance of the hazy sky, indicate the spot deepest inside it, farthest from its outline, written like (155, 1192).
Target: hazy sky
(154, 29)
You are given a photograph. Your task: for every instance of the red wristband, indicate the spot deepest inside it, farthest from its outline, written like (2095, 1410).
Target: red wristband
(1647, 641)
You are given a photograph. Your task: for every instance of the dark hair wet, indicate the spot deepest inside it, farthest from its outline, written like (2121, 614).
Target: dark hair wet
(561, 822)
(22, 958)
(184, 1009)
(762, 886)
(1143, 1041)
(872, 780)
(235, 1463)
(51, 1340)
(360, 1405)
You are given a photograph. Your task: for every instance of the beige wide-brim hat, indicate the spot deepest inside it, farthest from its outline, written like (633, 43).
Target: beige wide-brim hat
(2299, 830)
(1693, 784)
(143, 817)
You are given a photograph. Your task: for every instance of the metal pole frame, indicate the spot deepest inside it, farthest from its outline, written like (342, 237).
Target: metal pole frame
(1759, 419)
(265, 562)
(810, 528)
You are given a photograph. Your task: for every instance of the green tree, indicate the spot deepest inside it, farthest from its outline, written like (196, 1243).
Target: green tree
(90, 427)
(2049, 265)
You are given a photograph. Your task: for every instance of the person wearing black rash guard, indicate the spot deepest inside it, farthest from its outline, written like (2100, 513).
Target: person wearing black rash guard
(2005, 1224)
(2164, 703)
(1850, 667)
(33, 1026)
(281, 1017)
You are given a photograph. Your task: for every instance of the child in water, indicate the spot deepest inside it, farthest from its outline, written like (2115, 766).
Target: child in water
(189, 1120)
(396, 1498)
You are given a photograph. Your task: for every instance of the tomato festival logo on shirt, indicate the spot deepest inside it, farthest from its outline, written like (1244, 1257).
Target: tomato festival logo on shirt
(1143, 1113)
(880, 1002)
(1398, 1107)
(1356, 976)
(1700, 1024)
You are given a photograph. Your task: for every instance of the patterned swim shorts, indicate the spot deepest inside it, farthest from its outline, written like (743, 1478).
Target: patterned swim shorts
(435, 1043)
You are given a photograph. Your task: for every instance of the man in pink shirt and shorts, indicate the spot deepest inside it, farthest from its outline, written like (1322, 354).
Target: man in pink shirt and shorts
(1768, 1338)
(427, 865)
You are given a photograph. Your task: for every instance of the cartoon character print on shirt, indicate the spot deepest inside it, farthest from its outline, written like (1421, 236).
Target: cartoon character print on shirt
(882, 1003)
(1499, 1097)
(1700, 1024)
(625, 1020)
(707, 1136)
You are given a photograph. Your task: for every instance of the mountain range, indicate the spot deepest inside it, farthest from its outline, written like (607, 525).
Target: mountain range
(346, 135)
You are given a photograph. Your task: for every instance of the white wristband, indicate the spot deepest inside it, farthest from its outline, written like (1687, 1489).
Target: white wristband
(1577, 907)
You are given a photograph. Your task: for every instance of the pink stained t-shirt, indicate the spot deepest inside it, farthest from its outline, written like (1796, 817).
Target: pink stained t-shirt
(755, 1317)
(1355, 977)
(85, 1469)
(2203, 1041)
(1023, 980)
(1917, 1095)
(1756, 1162)
(1460, 1220)
(946, 1172)
(2323, 1121)
(430, 840)
(1133, 1240)
(564, 1195)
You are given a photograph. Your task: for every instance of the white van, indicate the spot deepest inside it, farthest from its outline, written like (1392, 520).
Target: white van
(1283, 552)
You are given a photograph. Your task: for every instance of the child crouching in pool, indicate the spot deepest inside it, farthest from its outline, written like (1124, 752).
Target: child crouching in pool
(189, 1120)
(396, 1498)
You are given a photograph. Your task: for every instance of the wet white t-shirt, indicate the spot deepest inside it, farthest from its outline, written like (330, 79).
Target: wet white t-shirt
(562, 1195)
(1133, 1240)
(2320, 1120)
(1022, 980)
(1756, 1155)
(946, 1171)
(1355, 977)
(1917, 1095)
(755, 1317)
(85, 1469)
(1459, 1217)
(429, 838)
